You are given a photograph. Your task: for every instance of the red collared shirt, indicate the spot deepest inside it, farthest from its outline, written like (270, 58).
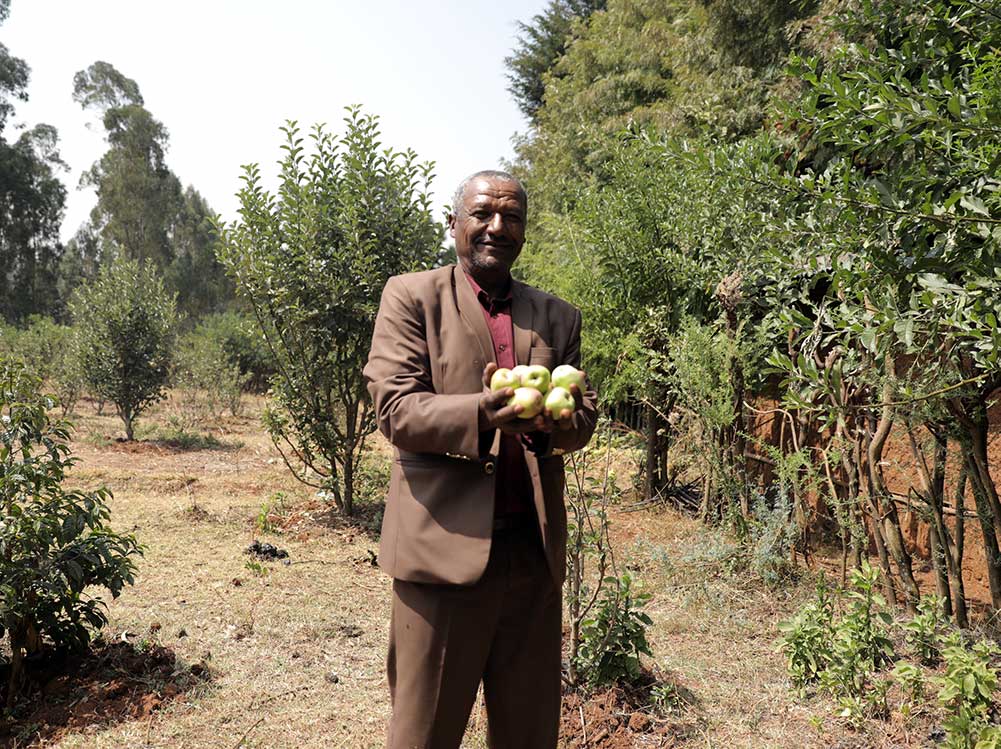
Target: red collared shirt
(514, 484)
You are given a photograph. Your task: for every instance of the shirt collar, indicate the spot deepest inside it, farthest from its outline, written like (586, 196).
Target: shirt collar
(495, 304)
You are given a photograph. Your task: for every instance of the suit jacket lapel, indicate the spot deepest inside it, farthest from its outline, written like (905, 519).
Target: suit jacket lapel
(521, 317)
(472, 313)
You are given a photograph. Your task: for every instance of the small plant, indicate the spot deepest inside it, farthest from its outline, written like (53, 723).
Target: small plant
(967, 693)
(666, 698)
(843, 654)
(57, 545)
(615, 637)
(256, 567)
(912, 682)
(924, 631)
(806, 639)
(862, 643)
(271, 510)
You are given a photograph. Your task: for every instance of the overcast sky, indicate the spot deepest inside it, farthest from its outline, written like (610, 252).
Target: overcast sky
(223, 75)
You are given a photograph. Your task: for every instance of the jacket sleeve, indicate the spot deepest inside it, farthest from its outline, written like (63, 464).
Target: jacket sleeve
(398, 374)
(585, 418)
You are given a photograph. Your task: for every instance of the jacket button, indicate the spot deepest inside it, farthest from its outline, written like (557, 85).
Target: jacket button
(488, 467)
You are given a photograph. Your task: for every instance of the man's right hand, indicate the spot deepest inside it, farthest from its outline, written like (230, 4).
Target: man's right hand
(494, 411)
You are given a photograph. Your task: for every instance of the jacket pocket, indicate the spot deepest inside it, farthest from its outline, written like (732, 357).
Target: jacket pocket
(542, 355)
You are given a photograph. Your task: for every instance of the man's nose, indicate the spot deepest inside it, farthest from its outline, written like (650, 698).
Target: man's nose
(496, 224)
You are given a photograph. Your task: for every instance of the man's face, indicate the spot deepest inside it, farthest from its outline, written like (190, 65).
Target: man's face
(489, 226)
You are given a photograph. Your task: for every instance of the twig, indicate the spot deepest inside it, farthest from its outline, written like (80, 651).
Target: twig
(247, 732)
(278, 696)
(583, 724)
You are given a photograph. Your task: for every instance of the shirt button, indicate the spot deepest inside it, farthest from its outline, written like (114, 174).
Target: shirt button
(488, 467)
(502, 347)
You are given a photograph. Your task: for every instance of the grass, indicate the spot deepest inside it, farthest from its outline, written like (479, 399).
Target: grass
(296, 652)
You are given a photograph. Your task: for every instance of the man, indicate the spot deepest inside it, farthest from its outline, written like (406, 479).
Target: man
(474, 532)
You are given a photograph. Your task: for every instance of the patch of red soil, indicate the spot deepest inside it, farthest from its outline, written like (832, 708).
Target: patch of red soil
(622, 718)
(106, 684)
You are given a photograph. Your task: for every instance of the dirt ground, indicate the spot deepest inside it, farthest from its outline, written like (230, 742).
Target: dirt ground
(289, 652)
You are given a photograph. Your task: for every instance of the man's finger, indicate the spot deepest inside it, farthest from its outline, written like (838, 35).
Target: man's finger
(500, 397)
(578, 396)
(488, 373)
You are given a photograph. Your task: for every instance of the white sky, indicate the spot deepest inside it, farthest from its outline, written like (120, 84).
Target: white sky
(223, 75)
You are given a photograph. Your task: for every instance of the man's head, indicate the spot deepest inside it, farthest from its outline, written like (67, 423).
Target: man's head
(488, 224)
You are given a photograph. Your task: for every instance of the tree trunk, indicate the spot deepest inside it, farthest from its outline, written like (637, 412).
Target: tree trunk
(988, 523)
(955, 558)
(651, 488)
(885, 504)
(933, 491)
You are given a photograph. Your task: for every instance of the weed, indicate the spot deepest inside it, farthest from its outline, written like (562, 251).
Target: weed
(967, 693)
(924, 631)
(912, 682)
(615, 637)
(256, 567)
(272, 509)
(843, 654)
(666, 698)
(806, 639)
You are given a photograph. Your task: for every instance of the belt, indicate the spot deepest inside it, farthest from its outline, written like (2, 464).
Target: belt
(516, 522)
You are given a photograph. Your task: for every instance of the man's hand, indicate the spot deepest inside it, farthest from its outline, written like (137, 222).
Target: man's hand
(563, 420)
(496, 414)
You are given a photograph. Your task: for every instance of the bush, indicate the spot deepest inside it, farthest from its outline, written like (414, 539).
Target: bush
(843, 653)
(207, 379)
(124, 323)
(56, 543)
(48, 350)
(312, 260)
(615, 637)
(241, 338)
(967, 693)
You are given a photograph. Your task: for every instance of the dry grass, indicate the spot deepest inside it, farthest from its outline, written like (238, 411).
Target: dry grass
(296, 654)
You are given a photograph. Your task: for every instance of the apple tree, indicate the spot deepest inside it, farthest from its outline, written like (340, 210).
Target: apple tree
(312, 259)
(124, 325)
(56, 544)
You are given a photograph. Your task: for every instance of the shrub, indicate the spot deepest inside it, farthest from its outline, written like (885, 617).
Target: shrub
(124, 323)
(312, 260)
(925, 630)
(241, 338)
(56, 543)
(967, 693)
(842, 654)
(806, 639)
(207, 379)
(613, 639)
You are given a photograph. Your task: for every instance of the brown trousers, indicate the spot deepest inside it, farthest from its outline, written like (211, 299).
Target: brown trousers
(505, 630)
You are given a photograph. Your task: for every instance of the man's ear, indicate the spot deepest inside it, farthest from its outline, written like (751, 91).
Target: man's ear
(450, 219)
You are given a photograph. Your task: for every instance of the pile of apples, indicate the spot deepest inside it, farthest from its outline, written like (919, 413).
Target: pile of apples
(535, 388)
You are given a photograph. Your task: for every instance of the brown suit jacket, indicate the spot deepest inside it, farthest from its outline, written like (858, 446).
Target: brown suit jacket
(424, 372)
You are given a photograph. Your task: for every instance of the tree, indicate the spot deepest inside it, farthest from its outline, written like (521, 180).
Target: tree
(312, 261)
(125, 322)
(57, 543)
(195, 272)
(540, 44)
(138, 197)
(892, 188)
(32, 200)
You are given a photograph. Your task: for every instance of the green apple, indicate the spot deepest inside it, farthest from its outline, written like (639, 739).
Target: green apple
(529, 399)
(504, 378)
(559, 400)
(519, 372)
(536, 376)
(564, 376)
